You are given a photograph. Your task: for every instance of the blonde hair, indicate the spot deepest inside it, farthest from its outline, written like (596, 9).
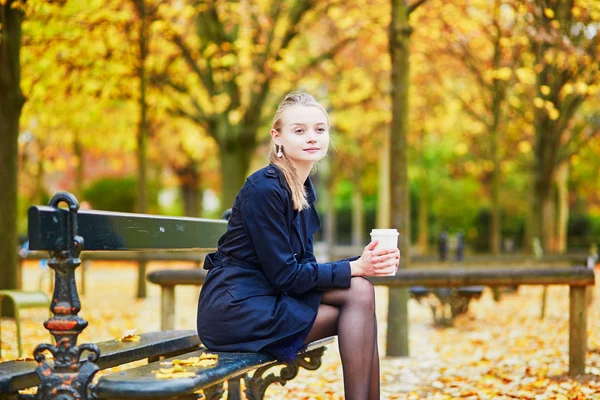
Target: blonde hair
(289, 172)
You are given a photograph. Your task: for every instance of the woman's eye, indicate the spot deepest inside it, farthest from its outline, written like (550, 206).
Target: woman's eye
(321, 129)
(299, 130)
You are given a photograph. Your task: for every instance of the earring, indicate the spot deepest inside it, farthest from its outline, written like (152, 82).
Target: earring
(279, 151)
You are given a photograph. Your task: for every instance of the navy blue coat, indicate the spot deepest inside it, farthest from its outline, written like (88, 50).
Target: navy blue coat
(264, 285)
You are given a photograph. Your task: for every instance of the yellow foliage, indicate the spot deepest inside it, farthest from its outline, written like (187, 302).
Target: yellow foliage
(576, 11)
(220, 102)
(548, 12)
(538, 102)
(568, 89)
(582, 88)
(235, 116)
(545, 90)
(526, 75)
(524, 147)
(504, 73)
(461, 148)
(555, 24)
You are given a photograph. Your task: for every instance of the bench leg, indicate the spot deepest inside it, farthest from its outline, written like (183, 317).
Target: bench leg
(141, 287)
(577, 330)
(233, 389)
(18, 322)
(256, 385)
(214, 392)
(167, 308)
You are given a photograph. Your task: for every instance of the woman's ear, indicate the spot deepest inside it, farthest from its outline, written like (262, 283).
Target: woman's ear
(276, 136)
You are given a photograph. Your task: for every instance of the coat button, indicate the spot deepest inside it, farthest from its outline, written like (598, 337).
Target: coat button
(271, 171)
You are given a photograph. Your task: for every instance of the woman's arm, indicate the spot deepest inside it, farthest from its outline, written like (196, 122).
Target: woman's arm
(263, 215)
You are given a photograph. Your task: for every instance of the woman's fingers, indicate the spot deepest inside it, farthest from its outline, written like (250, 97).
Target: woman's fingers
(385, 264)
(383, 252)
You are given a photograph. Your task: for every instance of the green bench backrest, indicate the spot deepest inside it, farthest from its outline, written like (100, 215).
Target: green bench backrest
(102, 230)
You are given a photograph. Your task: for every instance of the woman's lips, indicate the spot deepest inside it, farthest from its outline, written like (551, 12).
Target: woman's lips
(312, 150)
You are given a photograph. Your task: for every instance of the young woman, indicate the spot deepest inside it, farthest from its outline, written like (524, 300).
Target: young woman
(265, 291)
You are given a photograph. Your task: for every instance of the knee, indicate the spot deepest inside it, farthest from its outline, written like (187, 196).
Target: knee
(362, 291)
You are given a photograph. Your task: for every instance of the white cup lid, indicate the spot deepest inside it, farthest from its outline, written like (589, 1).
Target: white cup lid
(384, 232)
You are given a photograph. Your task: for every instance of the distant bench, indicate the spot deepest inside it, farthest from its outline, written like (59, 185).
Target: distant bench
(578, 279)
(69, 373)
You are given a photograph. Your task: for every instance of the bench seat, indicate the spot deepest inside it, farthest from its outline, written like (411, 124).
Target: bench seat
(17, 375)
(141, 382)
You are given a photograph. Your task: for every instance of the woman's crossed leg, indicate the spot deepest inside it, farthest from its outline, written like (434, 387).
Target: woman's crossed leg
(350, 313)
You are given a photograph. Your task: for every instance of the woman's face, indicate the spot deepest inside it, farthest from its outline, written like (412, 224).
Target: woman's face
(304, 134)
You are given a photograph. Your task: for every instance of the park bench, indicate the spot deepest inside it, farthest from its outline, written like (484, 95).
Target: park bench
(70, 372)
(468, 279)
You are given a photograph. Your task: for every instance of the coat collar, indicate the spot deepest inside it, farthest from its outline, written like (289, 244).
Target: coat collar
(311, 194)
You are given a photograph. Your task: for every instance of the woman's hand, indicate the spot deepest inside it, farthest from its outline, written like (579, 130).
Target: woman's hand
(375, 262)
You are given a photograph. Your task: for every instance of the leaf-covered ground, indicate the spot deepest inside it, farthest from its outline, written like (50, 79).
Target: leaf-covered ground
(496, 351)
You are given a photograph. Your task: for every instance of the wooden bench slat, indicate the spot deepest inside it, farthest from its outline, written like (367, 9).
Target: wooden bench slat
(141, 381)
(177, 277)
(17, 375)
(574, 276)
(578, 276)
(103, 230)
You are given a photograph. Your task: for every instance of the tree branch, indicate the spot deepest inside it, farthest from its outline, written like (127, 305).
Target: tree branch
(414, 6)
(572, 146)
(472, 112)
(205, 78)
(327, 55)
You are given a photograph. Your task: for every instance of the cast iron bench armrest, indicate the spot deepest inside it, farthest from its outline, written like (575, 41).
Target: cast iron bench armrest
(141, 382)
(17, 375)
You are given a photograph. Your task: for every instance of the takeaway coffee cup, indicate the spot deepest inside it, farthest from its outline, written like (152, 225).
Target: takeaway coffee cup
(388, 239)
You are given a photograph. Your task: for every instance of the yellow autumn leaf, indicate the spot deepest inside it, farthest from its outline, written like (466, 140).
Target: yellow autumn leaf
(548, 12)
(177, 375)
(130, 336)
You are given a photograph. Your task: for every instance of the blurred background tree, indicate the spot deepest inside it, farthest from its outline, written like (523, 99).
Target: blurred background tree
(176, 98)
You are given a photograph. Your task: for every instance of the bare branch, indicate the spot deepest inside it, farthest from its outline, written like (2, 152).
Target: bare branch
(414, 6)
(327, 55)
(572, 146)
(205, 78)
(471, 111)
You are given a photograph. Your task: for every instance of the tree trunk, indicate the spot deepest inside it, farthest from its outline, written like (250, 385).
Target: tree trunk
(11, 104)
(498, 91)
(358, 220)
(562, 178)
(235, 161)
(549, 224)
(39, 178)
(424, 218)
(191, 192)
(80, 169)
(383, 201)
(142, 134)
(397, 334)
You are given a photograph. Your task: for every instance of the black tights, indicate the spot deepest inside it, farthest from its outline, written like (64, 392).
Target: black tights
(350, 314)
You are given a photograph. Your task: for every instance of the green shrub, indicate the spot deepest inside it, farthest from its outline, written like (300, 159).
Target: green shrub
(117, 194)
